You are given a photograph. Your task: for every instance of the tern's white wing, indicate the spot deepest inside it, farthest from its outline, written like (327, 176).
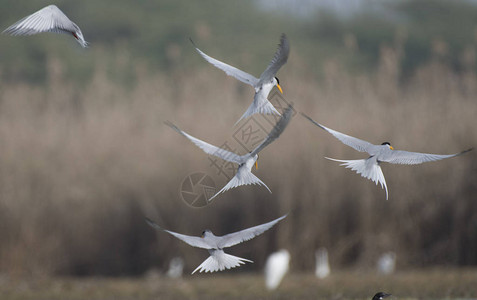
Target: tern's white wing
(238, 237)
(414, 158)
(194, 241)
(47, 19)
(276, 131)
(353, 142)
(208, 148)
(279, 59)
(229, 70)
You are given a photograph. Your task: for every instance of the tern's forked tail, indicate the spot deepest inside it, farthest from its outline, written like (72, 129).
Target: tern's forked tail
(367, 168)
(241, 178)
(264, 108)
(219, 261)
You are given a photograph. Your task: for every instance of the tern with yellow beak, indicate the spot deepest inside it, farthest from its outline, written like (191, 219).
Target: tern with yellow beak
(244, 174)
(370, 167)
(218, 259)
(262, 85)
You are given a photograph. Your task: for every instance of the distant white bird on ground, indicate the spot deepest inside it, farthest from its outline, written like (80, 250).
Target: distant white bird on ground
(275, 268)
(370, 167)
(386, 263)
(47, 19)
(322, 268)
(218, 259)
(244, 174)
(262, 85)
(176, 265)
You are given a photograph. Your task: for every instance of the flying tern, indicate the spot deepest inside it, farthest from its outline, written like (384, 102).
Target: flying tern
(47, 19)
(244, 174)
(262, 85)
(370, 167)
(218, 259)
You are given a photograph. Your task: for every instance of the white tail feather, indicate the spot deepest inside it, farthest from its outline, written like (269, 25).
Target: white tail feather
(367, 168)
(219, 261)
(265, 108)
(243, 177)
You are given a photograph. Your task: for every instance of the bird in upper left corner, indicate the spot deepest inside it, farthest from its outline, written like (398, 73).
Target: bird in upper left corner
(47, 19)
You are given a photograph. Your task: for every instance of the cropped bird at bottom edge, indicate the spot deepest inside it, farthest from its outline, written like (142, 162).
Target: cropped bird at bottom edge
(218, 259)
(262, 85)
(47, 19)
(370, 167)
(380, 296)
(244, 174)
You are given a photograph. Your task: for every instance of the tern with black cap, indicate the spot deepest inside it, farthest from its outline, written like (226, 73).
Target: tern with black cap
(370, 167)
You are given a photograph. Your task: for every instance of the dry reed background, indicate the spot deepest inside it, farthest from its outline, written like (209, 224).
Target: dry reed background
(82, 165)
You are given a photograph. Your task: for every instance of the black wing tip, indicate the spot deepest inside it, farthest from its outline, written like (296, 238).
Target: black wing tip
(170, 124)
(465, 151)
(312, 121)
(283, 37)
(193, 44)
(152, 224)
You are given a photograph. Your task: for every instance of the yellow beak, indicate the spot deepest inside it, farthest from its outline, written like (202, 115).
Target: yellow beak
(279, 88)
(391, 147)
(256, 165)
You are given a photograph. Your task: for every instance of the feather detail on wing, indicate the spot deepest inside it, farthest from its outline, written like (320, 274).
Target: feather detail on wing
(246, 234)
(276, 130)
(47, 19)
(367, 169)
(279, 59)
(194, 241)
(355, 143)
(414, 158)
(208, 148)
(228, 69)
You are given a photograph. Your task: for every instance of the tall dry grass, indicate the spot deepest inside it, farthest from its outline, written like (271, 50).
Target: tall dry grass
(81, 166)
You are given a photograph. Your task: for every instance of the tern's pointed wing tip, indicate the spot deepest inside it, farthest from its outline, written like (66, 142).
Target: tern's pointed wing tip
(152, 223)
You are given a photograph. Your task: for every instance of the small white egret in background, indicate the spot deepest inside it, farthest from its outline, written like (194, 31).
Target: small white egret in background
(176, 265)
(387, 263)
(275, 268)
(322, 268)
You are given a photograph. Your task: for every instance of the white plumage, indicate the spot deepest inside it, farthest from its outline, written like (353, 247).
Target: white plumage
(218, 259)
(386, 263)
(244, 174)
(262, 85)
(275, 268)
(370, 167)
(322, 267)
(47, 19)
(176, 266)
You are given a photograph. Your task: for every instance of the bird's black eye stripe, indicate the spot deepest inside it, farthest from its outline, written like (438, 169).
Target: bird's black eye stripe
(278, 81)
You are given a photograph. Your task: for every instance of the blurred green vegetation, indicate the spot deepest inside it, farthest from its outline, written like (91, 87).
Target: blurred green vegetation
(157, 32)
